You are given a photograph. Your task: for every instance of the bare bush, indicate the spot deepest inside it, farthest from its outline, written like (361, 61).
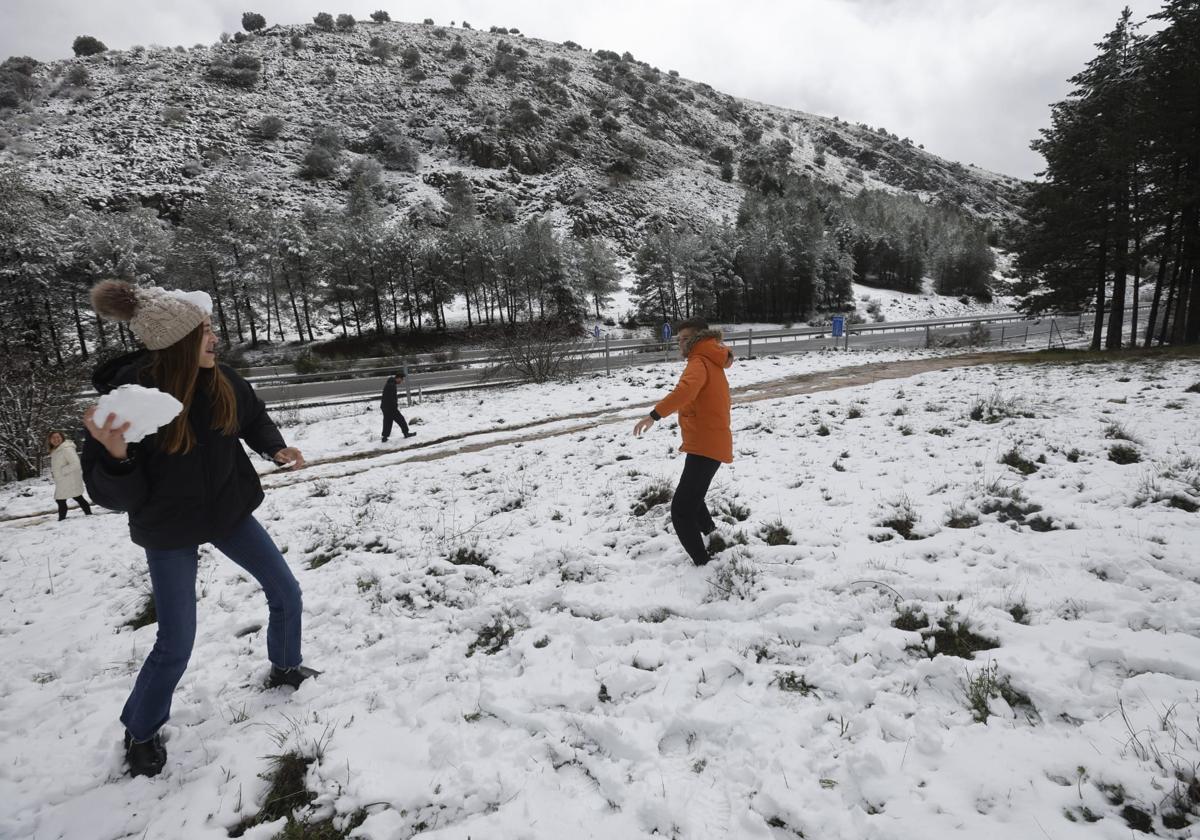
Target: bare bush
(540, 352)
(35, 397)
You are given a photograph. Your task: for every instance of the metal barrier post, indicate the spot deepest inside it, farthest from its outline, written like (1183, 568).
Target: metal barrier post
(1025, 340)
(407, 388)
(1002, 335)
(607, 368)
(1050, 340)
(750, 351)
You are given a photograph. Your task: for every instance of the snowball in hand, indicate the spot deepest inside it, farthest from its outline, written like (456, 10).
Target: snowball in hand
(145, 409)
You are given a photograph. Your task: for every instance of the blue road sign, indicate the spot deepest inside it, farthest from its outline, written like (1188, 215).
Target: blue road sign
(839, 326)
(666, 331)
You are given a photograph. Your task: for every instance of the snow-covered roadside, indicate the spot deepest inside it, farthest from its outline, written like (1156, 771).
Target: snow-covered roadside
(910, 306)
(587, 681)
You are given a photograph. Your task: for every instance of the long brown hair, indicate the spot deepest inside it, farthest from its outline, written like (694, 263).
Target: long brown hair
(175, 370)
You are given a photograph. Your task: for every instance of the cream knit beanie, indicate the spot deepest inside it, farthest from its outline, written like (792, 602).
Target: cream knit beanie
(158, 317)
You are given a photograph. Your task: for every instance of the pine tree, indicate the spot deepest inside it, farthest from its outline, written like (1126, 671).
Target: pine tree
(594, 269)
(253, 21)
(1121, 184)
(1172, 121)
(30, 246)
(86, 45)
(654, 290)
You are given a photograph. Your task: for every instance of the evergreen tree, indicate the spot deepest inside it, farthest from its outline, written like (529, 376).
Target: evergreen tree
(253, 21)
(963, 264)
(86, 45)
(595, 272)
(654, 290)
(1121, 184)
(1172, 125)
(29, 255)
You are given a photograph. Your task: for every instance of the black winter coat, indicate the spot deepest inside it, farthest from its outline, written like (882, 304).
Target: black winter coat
(389, 402)
(175, 501)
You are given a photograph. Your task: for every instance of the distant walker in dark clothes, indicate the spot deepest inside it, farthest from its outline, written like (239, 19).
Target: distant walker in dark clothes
(389, 404)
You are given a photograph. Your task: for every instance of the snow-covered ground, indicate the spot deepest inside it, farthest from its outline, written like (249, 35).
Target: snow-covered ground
(909, 306)
(582, 679)
(333, 431)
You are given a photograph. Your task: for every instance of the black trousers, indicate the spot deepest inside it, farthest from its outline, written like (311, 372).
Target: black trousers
(689, 513)
(62, 507)
(393, 416)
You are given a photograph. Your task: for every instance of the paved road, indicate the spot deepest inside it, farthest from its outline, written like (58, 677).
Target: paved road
(1035, 332)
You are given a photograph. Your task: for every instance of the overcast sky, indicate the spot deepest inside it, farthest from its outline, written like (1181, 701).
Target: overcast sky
(971, 79)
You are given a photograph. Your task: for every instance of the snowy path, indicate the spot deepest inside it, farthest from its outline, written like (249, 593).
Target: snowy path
(586, 681)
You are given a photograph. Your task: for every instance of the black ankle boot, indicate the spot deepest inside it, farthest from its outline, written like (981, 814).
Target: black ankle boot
(290, 676)
(146, 758)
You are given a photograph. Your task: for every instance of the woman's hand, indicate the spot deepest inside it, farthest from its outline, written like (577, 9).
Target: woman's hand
(110, 437)
(643, 425)
(290, 458)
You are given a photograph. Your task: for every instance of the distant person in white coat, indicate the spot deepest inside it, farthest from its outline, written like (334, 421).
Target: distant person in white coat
(68, 474)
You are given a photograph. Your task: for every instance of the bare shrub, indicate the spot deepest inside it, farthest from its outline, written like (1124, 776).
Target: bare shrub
(539, 352)
(35, 397)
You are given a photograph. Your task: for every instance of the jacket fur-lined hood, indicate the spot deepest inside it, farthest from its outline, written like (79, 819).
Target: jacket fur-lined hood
(713, 350)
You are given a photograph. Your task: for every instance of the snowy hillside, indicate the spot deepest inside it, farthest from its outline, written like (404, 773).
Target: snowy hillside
(907, 637)
(152, 125)
(875, 303)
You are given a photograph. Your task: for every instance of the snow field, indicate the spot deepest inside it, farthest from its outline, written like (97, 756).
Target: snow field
(511, 652)
(354, 428)
(909, 306)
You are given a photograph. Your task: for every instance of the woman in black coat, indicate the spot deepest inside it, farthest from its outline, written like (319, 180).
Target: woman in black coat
(188, 483)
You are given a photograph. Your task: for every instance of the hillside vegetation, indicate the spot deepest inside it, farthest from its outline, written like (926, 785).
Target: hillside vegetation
(362, 178)
(601, 141)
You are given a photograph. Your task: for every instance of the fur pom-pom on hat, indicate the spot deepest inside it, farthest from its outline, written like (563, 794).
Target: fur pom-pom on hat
(156, 316)
(115, 300)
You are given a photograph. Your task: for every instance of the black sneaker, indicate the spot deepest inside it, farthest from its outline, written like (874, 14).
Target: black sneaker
(383, 440)
(290, 676)
(146, 758)
(410, 434)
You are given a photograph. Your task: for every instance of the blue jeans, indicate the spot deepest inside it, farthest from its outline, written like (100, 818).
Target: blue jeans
(173, 577)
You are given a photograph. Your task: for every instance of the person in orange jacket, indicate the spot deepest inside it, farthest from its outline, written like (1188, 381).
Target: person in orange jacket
(702, 399)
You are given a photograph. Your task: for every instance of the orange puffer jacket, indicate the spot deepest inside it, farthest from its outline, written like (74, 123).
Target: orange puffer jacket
(702, 398)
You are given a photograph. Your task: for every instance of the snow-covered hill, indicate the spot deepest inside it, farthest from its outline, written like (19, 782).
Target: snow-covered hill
(151, 126)
(510, 651)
